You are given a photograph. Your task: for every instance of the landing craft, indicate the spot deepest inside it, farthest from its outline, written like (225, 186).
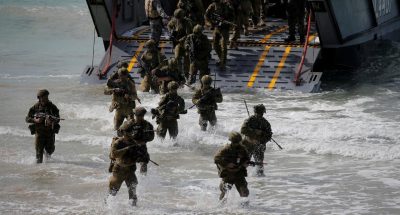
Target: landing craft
(340, 34)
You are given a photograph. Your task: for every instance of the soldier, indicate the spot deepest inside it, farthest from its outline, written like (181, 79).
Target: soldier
(219, 14)
(125, 153)
(44, 118)
(168, 110)
(114, 75)
(256, 5)
(180, 27)
(142, 132)
(124, 94)
(167, 74)
(257, 131)
(295, 9)
(206, 100)
(155, 14)
(232, 161)
(152, 58)
(199, 49)
(194, 10)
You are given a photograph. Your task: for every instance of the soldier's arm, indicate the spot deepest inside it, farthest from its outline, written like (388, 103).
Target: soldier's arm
(117, 153)
(149, 135)
(30, 116)
(207, 16)
(160, 10)
(171, 25)
(133, 92)
(246, 129)
(219, 158)
(218, 96)
(181, 105)
(196, 97)
(108, 90)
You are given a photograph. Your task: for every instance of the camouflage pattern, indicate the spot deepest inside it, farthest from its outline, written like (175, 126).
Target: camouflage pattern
(152, 59)
(206, 100)
(221, 30)
(232, 162)
(295, 10)
(155, 14)
(124, 94)
(45, 131)
(167, 74)
(194, 10)
(169, 108)
(257, 131)
(243, 10)
(199, 48)
(179, 28)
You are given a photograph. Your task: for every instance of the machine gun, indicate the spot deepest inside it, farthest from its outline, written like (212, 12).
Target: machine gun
(218, 18)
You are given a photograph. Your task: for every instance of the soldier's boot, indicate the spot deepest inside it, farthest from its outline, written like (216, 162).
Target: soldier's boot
(290, 38)
(203, 126)
(39, 157)
(132, 195)
(143, 168)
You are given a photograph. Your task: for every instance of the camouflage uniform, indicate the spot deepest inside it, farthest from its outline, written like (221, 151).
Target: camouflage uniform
(256, 5)
(124, 94)
(180, 27)
(155, 14)
(242, 11)
(169, 108)
(152, 59)
(125, 153)
(142, 132)
(232, 161)
(257, 131)
(221, 30)
(206, 100)
(295, 9)
(199, 49)
(194, 10)
(167, 74)
(44, 129)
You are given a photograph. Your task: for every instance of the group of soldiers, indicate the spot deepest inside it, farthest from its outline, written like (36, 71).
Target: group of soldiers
(129, 146)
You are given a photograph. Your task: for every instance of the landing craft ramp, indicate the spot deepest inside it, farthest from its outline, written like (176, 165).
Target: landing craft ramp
(262, 61)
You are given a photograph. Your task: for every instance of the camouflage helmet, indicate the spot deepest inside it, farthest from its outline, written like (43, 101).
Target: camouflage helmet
(206, 80)
(198, 29)
(122, 64)
(259, 109)
(150, 43)
(235, 137)
(140, 111)
(173, 85)
(42, 92)
(123, 72)
(179, 13)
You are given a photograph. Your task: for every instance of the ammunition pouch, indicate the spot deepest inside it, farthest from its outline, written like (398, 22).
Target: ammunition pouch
(32, 128)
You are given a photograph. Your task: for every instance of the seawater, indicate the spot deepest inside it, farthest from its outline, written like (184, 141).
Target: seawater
(341, 146)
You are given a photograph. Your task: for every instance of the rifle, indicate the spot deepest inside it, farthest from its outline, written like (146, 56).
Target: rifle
(221, 20)
(204, 97)
(253, 163)
(248, 113)
(45, 115)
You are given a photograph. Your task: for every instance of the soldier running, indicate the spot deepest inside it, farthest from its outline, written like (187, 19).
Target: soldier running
(168, 110)
(220, 14)
(257, 131)
(152, 59)
(124, 94)
(44, 118)
(125, 153)
(232, 161)
(199, 49)
(142, 132)
(206, 100)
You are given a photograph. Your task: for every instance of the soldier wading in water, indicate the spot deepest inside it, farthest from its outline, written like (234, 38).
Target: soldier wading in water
(44, 118)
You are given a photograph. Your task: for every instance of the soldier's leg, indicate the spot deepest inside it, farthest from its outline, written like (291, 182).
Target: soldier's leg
(300, 23)
(224, 47)
(256, 11)
(145, 84)
(132, 182)
(186, 64)
(49, 144)
(236, 32)
(203, 122)
(224, 187)
(156, 30)
(115, 181)
(193, 73)
(212, 118)
(216, 43)
(162, 129)
(143, 159)
(39, 147)
(118, 118)
(292, 23)
(173, 128)
(241, 186)
(259, 157)
(203, 68)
